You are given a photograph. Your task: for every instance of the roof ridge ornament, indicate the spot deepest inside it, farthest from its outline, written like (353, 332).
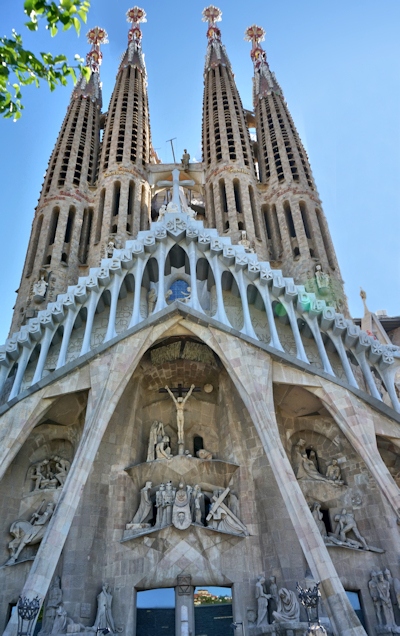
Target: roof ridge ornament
(212, 14)
(264, 81)
(136, 15)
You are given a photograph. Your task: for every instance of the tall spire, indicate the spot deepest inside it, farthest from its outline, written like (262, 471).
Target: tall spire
(59, 242)
(231, 187)
(124, 202)
(298, 236)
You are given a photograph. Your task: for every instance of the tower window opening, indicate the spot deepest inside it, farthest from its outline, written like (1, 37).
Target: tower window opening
(222, 196)
(70, 225)
(100, 216)
(289, 219)
(116, 198)
(144, 220)
(34, 246)
(238, 198)
(304, 216)
(256, 222)
(212, 205)
(131, 199)
(53, 225)
(325, 238)
(84, 239)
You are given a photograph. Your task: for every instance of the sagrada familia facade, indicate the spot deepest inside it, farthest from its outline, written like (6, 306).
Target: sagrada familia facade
(185, 400)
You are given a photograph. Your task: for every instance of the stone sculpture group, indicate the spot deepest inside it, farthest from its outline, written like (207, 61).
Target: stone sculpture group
(186, 505)
(285, 601)
(50, 473)
(380, 591)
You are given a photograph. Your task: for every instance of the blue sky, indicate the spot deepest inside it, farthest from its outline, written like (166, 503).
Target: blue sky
(338, 64)
(165, 597)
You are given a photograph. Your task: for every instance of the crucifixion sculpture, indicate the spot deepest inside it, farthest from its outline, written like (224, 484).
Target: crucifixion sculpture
(180, 402)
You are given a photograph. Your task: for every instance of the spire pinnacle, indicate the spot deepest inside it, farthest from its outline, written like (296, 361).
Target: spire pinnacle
(92, 88)
(95, 37)
(264, 80)
(212, 15)
(136, 15)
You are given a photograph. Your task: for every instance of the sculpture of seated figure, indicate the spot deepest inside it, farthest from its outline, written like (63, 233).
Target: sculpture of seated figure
(333, 472)
(204, 454)
(163, 450)
(305, 467)
(288, 609)
(39, 288)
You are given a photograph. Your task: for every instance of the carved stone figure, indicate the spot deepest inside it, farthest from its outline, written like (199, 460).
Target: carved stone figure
(109, 249)
(172, 208)
(156, 436)
(61, 621)
(62, 468)
(50, 473)
(159, 505)
(186, 296)
(305, 467)
(168, 295)
(39, 289)
(322, 279)
(54, 600)
(145, 511)
(345, 524)
(262, 602)
(39, 474)
(372, 585)
(334, 473)
(180, 418)
(181, 514)
(161, 212)
(163, 450)
(221, 518)
(185, 160)
(151, 301)
(28, 532)
(197, 505)
(168, 502)
(383, 591)
(204, 454)
(288, 607)
(318, 518)
(104, 618)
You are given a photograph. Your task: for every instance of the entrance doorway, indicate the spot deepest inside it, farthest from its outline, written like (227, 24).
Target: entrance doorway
(213, 614)
(155, 613)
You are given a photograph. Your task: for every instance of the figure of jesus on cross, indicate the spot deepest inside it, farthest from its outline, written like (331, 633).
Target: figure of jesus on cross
(180, 402)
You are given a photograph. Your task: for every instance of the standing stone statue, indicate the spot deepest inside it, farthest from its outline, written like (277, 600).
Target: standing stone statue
(159, 505)
(145, 511)
(318, 518)
(288, 607)
(372, 585)
(185, 160)
(156, 435)
(262, 602)
(62, 468)
(197, 505)
(54, 600)
(322, 279)
(180, 418)
(104, 618)
(383, 591)
(168, 502)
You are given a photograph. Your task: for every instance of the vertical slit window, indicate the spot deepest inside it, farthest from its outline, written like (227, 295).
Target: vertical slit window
(289, 219)
(238, 198)
(212, 204)
(51, 235)
(116, 198)
(143, 210)
(35, 243)
(100, 216)
(222, 196)
(254, 213)
(131, 199)
(325, 238)
(85, 235)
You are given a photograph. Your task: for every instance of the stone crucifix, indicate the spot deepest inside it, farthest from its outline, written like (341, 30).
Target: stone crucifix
(176, 184)
(180, 402)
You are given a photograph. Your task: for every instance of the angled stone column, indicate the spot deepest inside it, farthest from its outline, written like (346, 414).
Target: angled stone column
(251, 373)
(110, 374)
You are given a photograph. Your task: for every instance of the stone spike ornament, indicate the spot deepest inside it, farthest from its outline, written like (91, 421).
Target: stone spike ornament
(95, 37)
(256, 34)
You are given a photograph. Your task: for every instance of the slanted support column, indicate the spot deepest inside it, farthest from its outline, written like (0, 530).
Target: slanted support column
(110, 374)
(244, 363)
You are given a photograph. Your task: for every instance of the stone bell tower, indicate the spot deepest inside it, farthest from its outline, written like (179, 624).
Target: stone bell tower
(59, 241)
(298, 236)
(123, 201)
(231, 191)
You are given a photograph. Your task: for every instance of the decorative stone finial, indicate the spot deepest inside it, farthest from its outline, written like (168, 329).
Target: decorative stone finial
(136, 15)
(95, 37)
(256, 34)
(212, 15)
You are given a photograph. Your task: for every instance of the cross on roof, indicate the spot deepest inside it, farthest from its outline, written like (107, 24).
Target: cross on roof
(176, 184)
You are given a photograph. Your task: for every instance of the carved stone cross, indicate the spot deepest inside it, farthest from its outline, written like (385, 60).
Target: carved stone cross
(176, 184)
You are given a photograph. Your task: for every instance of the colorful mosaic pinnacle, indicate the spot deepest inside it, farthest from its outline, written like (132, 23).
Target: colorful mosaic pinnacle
(212, 15)
(136, 15)
(255, 34)
(95, 37)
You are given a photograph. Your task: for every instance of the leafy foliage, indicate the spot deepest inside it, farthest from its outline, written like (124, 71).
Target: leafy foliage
(20, 67)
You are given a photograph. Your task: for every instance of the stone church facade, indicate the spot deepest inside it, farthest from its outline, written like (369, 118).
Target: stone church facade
(185, 400)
